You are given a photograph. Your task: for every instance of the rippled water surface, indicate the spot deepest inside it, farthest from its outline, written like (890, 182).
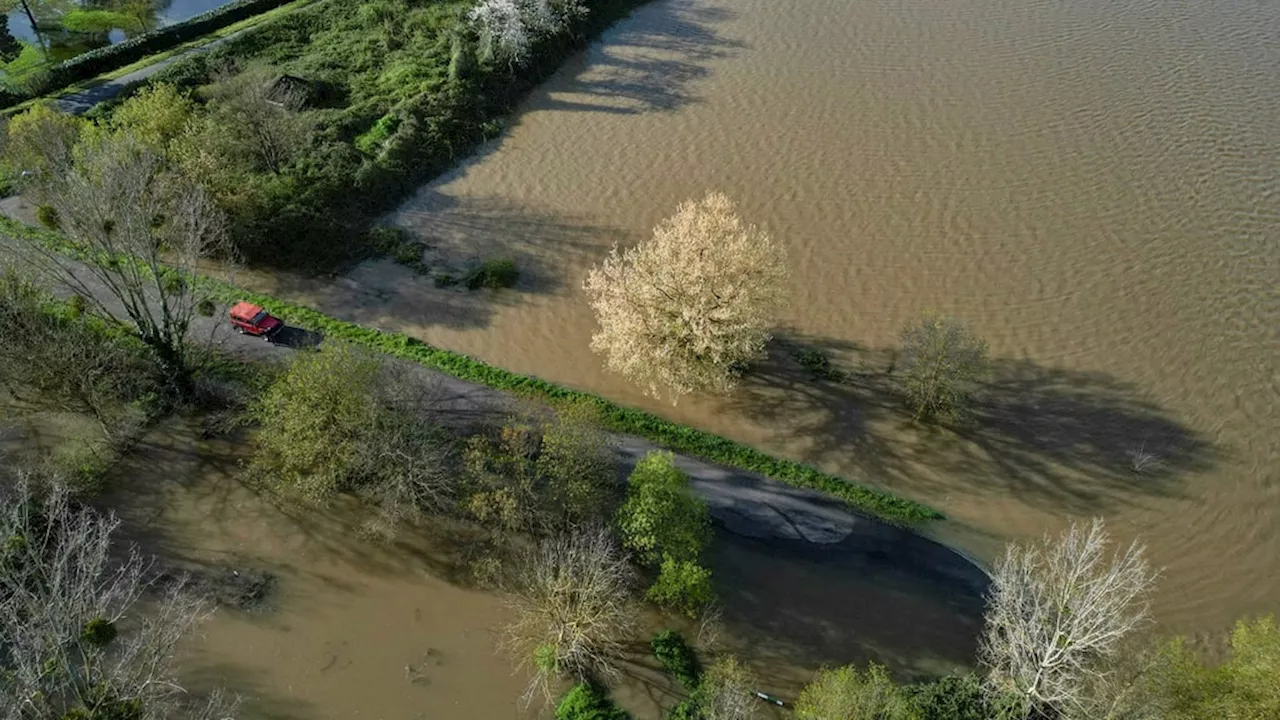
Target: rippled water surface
(1092, 185)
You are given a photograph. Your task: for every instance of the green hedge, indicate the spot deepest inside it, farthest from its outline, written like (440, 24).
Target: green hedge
(680, 438)
(105, 59)
(677, 658)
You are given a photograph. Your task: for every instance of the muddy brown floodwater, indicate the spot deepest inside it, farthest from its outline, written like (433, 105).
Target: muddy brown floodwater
(356, 628)
(1094, 186)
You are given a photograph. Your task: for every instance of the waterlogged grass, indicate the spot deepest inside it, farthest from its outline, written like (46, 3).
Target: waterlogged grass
(631, 421)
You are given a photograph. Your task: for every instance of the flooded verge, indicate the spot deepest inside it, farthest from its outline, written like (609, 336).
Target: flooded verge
(358, 628)
(1092, 186)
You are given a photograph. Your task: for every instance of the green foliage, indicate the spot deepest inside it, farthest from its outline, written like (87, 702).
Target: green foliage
(156, 115)
(370, 141)
(942, 363)
(206, 307)
(493, 274)
(848, 694)
(546, 659)
(99, 632)
(47, 216)
(678, 438)
(1244, 687)
(677, 658)
(682, 585)
(82, 20)
(41, 139)
(684, 710)
(818, 365)
(960, 697)
(662, 517)
(314, 421)
(586, 702)
(76, 305)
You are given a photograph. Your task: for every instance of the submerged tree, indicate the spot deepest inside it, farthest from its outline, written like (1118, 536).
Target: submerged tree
(847, 694)
(1057, 613)
(684, 311)
(77, 639)
(572, 609)
(726, 692)
(942, 361)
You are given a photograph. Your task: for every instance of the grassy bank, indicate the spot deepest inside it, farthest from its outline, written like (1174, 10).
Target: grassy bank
(679, 438)
(401, 92)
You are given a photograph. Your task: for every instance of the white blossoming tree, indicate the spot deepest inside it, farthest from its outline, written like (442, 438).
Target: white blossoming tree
(684, 311)
(508, 28)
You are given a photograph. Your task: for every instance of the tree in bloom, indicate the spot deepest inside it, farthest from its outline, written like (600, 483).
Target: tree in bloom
(508, 28)
(686, 310)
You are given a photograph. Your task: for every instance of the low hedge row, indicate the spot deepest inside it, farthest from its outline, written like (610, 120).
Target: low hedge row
(105, 59)
(679, 438)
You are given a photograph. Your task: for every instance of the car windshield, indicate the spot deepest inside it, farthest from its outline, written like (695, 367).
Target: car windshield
(259, 317)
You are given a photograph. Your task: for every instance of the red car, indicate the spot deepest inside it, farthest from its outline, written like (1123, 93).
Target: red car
(251, 319)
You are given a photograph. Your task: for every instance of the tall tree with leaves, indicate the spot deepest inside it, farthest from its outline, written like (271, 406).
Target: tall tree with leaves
(684, 311)
(136, 234)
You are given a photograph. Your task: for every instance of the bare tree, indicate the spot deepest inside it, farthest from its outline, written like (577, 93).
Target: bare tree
(138, 233)
(1058, 611)
(572, 609)
(686, 310)
(941, 363)
(74, 638)
(726, 692)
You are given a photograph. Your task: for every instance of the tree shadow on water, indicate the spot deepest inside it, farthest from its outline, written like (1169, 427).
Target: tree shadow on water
(648, 63)
(1058, 439)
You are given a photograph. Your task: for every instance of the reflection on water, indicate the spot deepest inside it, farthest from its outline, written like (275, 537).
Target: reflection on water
(64, 29)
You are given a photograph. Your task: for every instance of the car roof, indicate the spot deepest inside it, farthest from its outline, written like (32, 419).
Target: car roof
(245, 309)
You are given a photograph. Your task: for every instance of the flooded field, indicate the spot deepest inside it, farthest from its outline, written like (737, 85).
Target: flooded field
(1093, 186)
(358, 628)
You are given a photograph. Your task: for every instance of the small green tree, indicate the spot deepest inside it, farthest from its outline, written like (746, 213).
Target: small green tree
(961, 697)
(155, 116)
(662, 517)
(942, 363)
(315, 420)
(727, 692)
(846, 694)
(682, 585)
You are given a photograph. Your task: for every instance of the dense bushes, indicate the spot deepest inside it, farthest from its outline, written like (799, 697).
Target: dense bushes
(677, 658)
(402, 98)
(105, 59)
(586, 702)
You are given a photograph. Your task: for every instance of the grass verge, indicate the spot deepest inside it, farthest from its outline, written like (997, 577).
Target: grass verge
(678, 438)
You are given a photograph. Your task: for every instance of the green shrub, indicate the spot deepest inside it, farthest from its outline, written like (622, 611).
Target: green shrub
(76, 305)
(959, 697)
(677, 658)
(493, 274)
(847, 693)
(47, 216)
(409, 254)
(682, 585)
(585, 702)
(686, 710)
(662, 517)
(206, 307)
(99, 632)
(370, 142)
